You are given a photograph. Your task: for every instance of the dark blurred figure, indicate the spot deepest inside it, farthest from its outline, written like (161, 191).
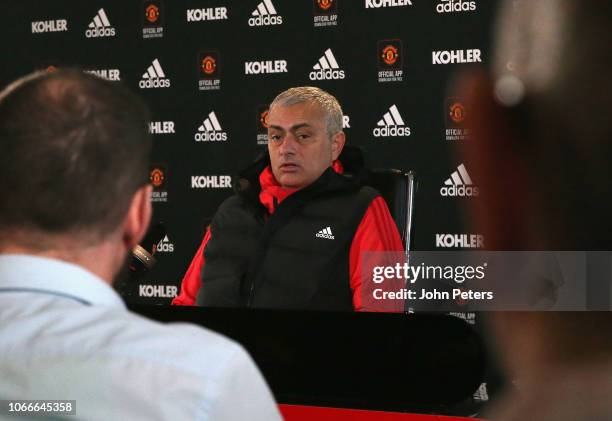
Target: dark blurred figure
(74, 159)
(542, 155)
(541, 152)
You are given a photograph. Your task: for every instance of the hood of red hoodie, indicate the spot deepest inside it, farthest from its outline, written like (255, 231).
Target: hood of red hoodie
(272, 193)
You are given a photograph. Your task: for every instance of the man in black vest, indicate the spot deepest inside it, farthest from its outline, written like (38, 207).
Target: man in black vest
(294, 234)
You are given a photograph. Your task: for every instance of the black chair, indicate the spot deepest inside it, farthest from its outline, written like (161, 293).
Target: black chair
(398, 189)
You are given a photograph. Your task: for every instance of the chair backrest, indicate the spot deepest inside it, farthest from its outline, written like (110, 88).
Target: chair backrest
(397, 188)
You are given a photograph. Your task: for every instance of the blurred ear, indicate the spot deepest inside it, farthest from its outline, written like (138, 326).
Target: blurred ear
(497, 160)
(138, 217)
(338, 140)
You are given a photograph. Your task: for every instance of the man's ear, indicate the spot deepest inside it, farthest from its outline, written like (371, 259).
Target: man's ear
(497, 161)
(338, 140)
(138, 217)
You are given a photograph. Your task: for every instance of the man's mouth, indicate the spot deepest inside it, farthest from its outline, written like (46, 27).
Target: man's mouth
(289, 167)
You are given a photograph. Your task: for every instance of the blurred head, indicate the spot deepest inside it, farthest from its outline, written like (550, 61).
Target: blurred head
(74, 162)
(541, 153)
(304, 135)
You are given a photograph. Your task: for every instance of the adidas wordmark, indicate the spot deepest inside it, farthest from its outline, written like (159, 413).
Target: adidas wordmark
(210, 130)
(265, 15)
(392, 124)
(459, 184)
(100, 26)
(326, 68)
(154, 77)
(326, 233)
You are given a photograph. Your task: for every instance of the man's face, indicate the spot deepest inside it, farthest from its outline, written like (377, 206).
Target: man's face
(299, 146)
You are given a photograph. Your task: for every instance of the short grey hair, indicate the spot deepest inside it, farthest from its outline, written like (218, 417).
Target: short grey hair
(326, 102)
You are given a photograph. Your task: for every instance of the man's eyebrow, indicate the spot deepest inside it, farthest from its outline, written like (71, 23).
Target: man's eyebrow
(294, 127)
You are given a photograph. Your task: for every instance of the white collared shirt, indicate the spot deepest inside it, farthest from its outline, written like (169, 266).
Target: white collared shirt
(65, 334)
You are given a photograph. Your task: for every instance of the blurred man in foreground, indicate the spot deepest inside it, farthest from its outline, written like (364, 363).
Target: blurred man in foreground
(542, 155)
(74, 159)
(295, 233)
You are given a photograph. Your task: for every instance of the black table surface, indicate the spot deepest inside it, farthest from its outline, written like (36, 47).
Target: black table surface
(424, 363)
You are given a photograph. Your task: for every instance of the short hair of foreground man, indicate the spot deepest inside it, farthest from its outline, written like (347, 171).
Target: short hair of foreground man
(75, 148)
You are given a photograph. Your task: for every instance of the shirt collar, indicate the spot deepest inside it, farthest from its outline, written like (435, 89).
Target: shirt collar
(25, 272)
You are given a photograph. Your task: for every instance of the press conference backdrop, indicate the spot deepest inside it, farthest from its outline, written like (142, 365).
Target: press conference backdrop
(208, 69)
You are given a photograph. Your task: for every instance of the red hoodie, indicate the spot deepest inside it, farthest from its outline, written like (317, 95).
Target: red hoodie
(376, 232)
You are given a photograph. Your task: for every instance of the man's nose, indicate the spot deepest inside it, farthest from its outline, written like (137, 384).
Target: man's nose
(288, 145)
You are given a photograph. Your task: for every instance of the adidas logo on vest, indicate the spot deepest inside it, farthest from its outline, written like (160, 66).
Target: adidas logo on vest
(326, 233)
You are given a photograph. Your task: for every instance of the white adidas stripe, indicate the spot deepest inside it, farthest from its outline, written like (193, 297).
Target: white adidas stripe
(325, 233)
(100, 20)
(158, 69)
(154, 71)
(464, 174)
(392, 118)
(215, 122)
(396, 115)
(322, 64)
(264, 8)
(211, 124)
(206, 126)
(327, 61)
(459, 177)
(326, 230)
(387, 120)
